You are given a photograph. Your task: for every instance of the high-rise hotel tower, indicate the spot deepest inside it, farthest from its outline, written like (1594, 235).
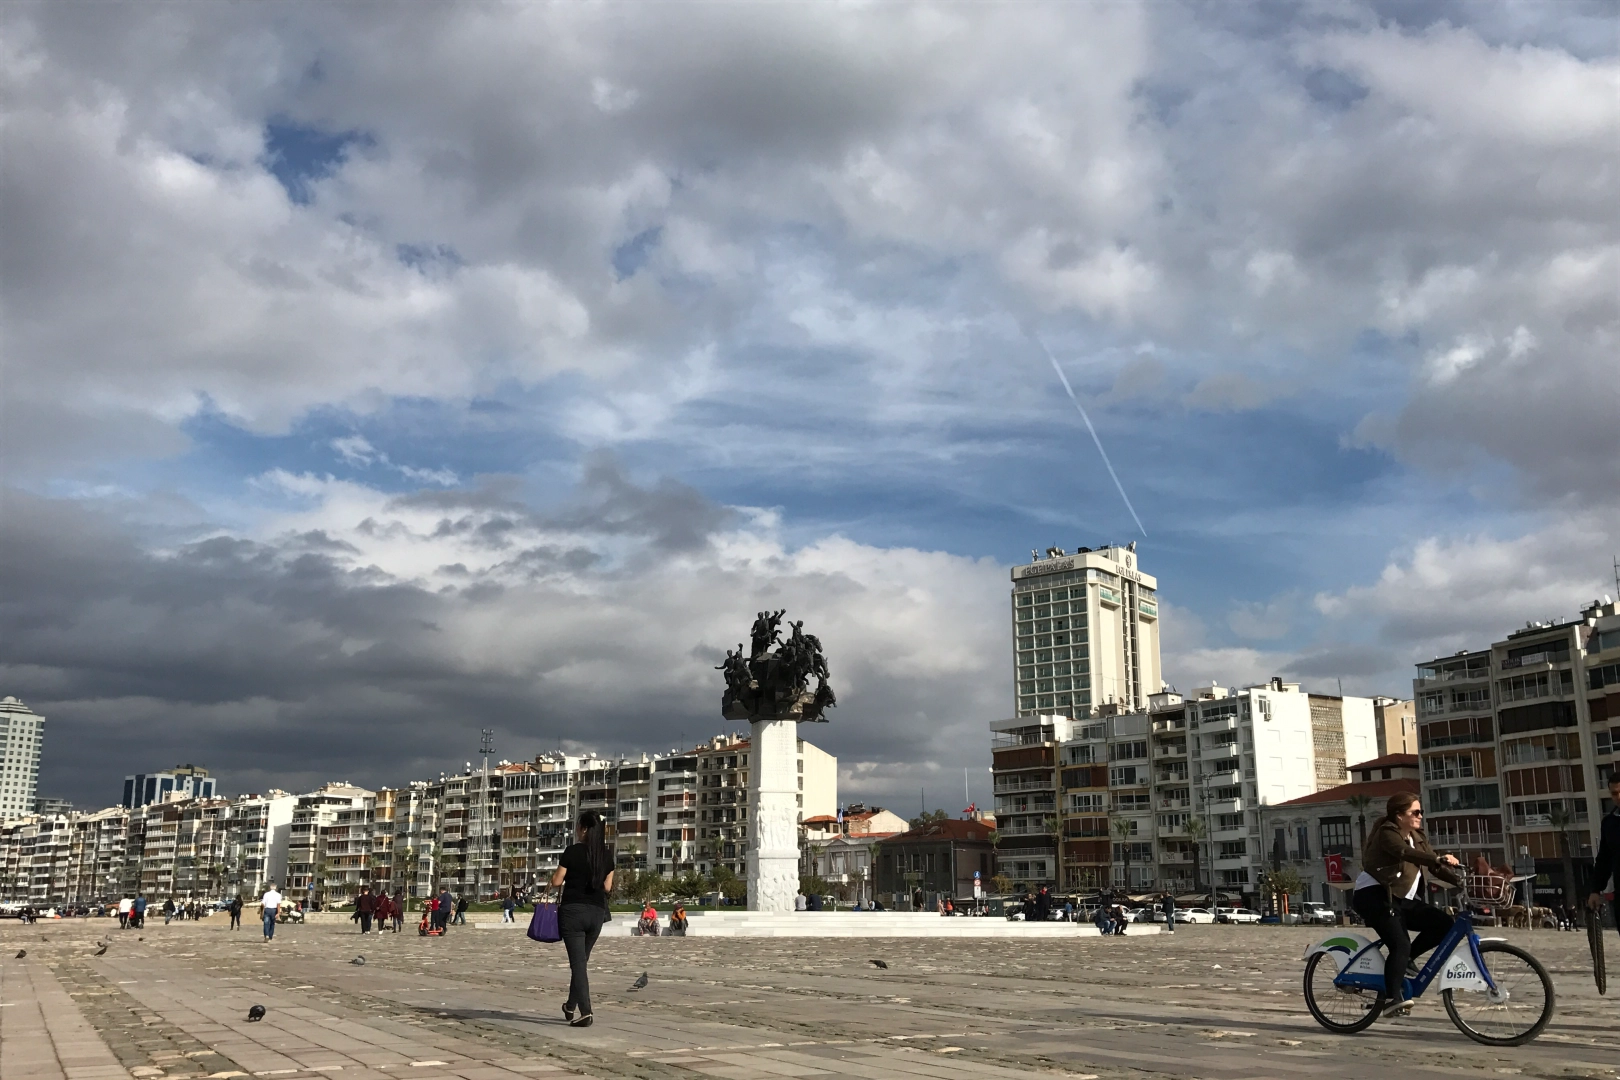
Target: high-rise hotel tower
(1085, 632)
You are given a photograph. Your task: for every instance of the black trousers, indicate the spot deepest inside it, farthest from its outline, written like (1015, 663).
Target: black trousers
(581, 925)
(365, 922)
(1394, 920)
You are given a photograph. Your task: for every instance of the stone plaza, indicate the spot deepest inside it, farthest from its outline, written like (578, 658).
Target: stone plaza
(483, 1004)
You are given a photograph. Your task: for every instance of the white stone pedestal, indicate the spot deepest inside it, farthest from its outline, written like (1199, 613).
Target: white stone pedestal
(773, 816)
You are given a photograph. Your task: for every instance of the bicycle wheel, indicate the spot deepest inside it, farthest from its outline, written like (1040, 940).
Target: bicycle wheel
(1519, 1009)
(1343, 1011)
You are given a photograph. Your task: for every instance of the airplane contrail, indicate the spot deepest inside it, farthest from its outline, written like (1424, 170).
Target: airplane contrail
(1082, 409)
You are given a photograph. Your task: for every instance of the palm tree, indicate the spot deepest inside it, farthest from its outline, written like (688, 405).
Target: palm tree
(1359, 804)
(1196, 831)
(1562, 820)
(1122, 829)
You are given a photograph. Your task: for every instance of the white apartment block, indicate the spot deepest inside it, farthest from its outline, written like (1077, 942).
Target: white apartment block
(22, 738)
(1106, 802)
(1085, 633)
(477, 833)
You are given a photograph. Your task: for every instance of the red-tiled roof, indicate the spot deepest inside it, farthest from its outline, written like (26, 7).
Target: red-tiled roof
(819, 818)
(1377, 790)
(1388, 761)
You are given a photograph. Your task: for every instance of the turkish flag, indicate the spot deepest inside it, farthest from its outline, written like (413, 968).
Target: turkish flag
(1335, 867)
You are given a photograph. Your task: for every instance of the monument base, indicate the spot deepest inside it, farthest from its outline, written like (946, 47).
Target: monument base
(773, 816)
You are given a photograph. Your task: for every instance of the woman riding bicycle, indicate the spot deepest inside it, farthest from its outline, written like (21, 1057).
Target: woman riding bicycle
(1389, 890)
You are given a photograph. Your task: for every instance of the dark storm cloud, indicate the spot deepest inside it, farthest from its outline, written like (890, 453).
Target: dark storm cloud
(288, 662)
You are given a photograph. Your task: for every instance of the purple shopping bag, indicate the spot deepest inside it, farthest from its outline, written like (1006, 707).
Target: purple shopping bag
(543, 926)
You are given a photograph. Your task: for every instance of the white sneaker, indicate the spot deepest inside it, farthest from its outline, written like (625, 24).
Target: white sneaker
(1398, 1011)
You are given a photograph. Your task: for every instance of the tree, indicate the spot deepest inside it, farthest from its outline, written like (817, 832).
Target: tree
(1196, 831)
(1002, 884)
(1561, 820)
(930, 817)
(1283, 883)
(811, 885)
(690, 885)
(1122, 829)
(1360, 803)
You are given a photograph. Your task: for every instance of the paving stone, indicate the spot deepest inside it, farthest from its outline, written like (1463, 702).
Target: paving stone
(1218, 1003)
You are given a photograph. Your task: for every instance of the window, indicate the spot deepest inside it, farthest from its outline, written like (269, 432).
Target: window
(1137, 800)
(1538, 812)
(1127, 776)
(1128, 751)
(1232, 849)
(1173, 821)
(1141, 852)
(1464, 797)
(1471, 700)
(1534, 748)
(1473, 729)
(1609, 674)
(1542, 684)
(1542, 652)
(1446, 766)
(1222, 794)
(1302, 837)
(1088, 803)
(1224, 822)
(1335, 833)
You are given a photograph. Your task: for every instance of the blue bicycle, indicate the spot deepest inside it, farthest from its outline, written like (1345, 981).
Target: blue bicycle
(1496, 993)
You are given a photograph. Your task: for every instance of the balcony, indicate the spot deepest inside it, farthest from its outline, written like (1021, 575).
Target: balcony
(1025, 783)
(1175, 804)
(1224, 806)
(1169, 725)
(1219, 723)
(1222, 778)
(1170, 750)
(1532, 660)
(1454, 676)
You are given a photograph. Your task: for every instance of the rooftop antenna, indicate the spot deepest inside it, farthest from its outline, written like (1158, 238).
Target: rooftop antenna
(1617, 575)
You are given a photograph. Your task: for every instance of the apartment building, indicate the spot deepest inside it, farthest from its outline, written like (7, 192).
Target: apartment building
(478, 833)
(1396, 724)
(1085, 631)
(259, 827)
(313, 816)
(1517, 741)
(633, 826)
(1024, 755)
(1109, 801)
(22, 740)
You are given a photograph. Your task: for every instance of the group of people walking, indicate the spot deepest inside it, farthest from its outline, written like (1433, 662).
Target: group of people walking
(379, 908)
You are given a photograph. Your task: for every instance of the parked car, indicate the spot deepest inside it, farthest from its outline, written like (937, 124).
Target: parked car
(1195, 915)
(1237, 915)
(1320, 914)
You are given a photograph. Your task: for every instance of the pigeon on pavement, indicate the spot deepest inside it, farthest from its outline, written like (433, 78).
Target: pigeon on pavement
(640, 982)
(21, 953)
(102, 949)
(880, 964)
(358, 961)
(256, 1013)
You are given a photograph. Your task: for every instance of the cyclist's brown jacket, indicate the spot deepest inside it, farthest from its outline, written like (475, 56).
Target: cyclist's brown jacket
(1395, 863)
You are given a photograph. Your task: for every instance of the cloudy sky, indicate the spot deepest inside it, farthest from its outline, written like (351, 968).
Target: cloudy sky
(374, 375)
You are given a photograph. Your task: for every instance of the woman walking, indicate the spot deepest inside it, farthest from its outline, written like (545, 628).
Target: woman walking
(585, 873)
(1389, 893)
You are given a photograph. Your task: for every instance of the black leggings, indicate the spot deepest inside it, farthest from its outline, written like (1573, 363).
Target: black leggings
(580, 924)
(1393, 922)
